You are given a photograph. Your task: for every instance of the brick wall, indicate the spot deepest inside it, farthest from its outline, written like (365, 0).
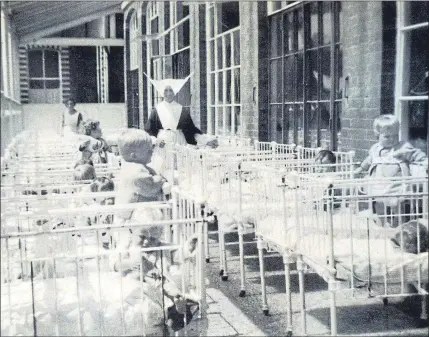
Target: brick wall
(362, 45)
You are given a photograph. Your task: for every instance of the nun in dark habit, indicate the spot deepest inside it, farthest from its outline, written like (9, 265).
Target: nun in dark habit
(170, 123)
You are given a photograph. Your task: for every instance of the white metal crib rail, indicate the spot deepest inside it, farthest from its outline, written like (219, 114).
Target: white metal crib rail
(65, 281)
(333, 227)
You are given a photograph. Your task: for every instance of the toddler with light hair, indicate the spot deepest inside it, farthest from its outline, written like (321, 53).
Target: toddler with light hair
(390, 158)
(84, 172)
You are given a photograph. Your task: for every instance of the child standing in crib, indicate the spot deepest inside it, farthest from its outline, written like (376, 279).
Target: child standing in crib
(138, 182)
(387, 159)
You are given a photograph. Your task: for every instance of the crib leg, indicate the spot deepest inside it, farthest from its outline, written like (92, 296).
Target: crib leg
(286, 263)
(206, 244)
(223, 260)
(300, 267)
(262, 273)
(333, 307)
(242, 269)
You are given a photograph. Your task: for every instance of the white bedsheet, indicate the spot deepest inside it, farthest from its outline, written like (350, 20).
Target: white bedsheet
(91, 307)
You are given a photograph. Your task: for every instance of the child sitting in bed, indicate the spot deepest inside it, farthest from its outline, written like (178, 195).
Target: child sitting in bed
(94, 147)
(84, 172)
(387, 159)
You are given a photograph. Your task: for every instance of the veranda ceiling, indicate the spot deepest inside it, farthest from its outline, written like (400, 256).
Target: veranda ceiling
(37, 19)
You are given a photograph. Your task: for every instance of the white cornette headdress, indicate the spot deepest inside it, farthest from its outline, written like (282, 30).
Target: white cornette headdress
(175, 84)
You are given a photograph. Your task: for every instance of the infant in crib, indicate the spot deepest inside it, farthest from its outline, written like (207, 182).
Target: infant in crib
(390, 158)
(94, 147)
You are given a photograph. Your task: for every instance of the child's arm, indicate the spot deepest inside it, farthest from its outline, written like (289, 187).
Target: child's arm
(412, 155)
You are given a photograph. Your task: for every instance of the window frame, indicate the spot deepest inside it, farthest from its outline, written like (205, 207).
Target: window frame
(44, 78)
(402, 71)
(217, 110)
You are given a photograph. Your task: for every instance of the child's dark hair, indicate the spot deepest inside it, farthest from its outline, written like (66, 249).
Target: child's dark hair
(84, 162)
(326, 154)
(90, 125)
(102, 184)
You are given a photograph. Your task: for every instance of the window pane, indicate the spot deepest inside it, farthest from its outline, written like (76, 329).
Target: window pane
(36, 84)
(237, 86)
(35, 63)
(166, 14)
(212, 88)
(275, 5)
(236, 36)
(276, 123)
(299, 120)
(167, 43)
(339, 27)
(52, 84)
(418, 12)
(237, 120)
(300, 24)
(276, 36)
(289, 33)
(211, 19)
(229, 14)
(219, 53)
(228, 122)
(327, 19)
(314, 25)
(313, 123)
(339, 65)
(325, 132)
(299, 78)
(228, 50)
(228, 86)
(418, 83)
(212, 55)
(51, 63)
(220, 87)
(418, 124)
(289, 78)
(325, 77)
(219, 128)
(313, 75)
(276, 81)
(213, 120)
(155, 47)
(185, 10)
(288, 124)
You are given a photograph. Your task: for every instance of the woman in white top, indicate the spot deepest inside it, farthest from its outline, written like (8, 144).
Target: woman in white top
(72, 119)
(172, 124)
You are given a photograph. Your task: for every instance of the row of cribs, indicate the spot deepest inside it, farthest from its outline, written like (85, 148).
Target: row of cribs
(319, 217)
(62, 251)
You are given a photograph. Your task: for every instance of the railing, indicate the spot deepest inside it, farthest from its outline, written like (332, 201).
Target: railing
(11, 120)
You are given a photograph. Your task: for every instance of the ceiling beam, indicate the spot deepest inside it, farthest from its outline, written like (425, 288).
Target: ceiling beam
(81, 42)
(36, 35)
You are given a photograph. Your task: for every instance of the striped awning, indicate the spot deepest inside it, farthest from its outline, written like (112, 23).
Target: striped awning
(37, 19)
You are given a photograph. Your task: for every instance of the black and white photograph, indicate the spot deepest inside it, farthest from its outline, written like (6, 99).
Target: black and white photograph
(224, 168)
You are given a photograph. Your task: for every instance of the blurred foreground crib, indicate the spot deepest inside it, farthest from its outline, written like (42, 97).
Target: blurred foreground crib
(73, 285)
(329, 226)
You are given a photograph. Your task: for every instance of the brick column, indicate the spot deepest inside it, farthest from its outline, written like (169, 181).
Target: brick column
(198, 62)
(362, 47)
(249, 68)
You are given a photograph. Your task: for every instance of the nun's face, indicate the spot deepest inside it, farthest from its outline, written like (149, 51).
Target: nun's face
(168, 94)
